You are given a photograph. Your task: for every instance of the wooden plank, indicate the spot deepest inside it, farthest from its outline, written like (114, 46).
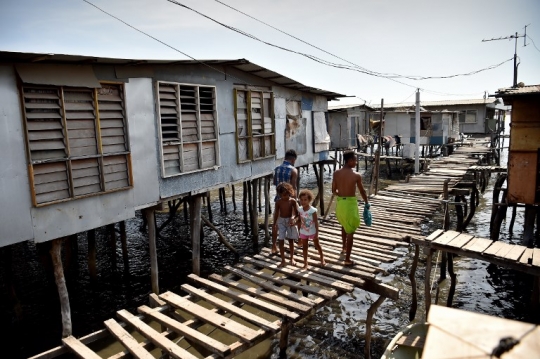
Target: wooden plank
(79, 348)
(269, 285)
(154, 336)
(460, 240)
(536, 257)
(302, 274)
(259, 293)
(477, 245)
(192, 334)
(494, 248)
(127, 340)
(434, 235)
(412, 341)
(219, 321)
(239, 312)
(446, 237)
(526, 257)
(504, 250)
(244, 298)
(515, 253)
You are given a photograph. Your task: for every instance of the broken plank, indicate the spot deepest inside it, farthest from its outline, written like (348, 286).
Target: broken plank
(192, 334)
(131, 344)
(219, 321)
(154, 336)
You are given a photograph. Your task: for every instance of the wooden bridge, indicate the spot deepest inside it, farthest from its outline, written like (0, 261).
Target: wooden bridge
(222, 316)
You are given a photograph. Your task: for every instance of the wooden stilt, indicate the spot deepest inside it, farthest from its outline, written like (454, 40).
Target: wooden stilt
(453, 277)
(111, 234)
(474, 194)
(150, 217)
(336, 159)
(284, 337)
(369, 319)
(209, 205)
(250, 203)
(446, 226)
(185, 209)
(173, 208)
(259, 182)
(412, 277)
(56, 256)
(123, 240)
(316, 171)
(221, 237)
(513, 220)
(499, 217)
(254, 213)
(92, 269)
(528, 225)
(427, 284)
(459, 213)
(266, 209)
(224, 196)
(244, 205)
(195, 225)
(233, 198)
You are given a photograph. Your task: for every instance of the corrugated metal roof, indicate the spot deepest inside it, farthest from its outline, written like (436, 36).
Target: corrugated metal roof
(440, 103)
(514, 91)
(240, 64)
(344, 107)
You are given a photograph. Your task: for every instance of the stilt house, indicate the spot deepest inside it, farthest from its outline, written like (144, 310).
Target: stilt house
(345, 123)
(87, 141)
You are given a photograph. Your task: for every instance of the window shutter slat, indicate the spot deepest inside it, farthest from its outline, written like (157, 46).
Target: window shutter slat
(51, 182)
(112, 116)
(115, 171)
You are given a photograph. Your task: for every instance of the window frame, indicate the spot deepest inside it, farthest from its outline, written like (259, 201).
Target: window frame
(465, 113)
(180, 141)
(68, 159)
(249, 120)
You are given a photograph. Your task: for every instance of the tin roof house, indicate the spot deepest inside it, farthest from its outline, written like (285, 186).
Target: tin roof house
(345, 122)
(87, 141)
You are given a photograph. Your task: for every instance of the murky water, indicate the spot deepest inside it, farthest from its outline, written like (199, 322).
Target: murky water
(335, 331)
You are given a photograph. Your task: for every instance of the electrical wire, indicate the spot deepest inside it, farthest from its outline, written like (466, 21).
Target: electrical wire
(373, 73)
(530, 38)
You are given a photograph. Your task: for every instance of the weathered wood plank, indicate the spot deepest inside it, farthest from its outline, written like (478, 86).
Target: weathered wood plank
(515, 253)
(536, 257)
(247, 316)
(526, 257)
(477, 245)
(446, 237)
(155, 337)
(494, 248)
(244, 298)
(460, 240)
(226, 324)
(412, 341)
(192, 334)
(127, 340)
(79, 348)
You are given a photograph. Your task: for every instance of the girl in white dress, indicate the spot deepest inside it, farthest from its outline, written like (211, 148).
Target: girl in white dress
(309, 225)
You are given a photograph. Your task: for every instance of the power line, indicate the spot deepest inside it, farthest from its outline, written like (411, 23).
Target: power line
(363, 69)
(530, 38)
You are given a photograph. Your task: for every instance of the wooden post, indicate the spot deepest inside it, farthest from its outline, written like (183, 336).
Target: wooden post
(123, 240)
(321, 187)
(446, 226)
(233, 198)
(371, 311)
(56, 256)
(528, 225)
(259, 182)
(389, 166)
(185, 209)
(249, 188)
(244, 204)
(336, 159)
(150, 218)
(266, 209)
(412, 277)
(221, 209)
(92, 269)
(111, 234)
(474, 194)
(284, 337)
(195, 230)
(513, 220)
(453, 277)
(459, 213)
(427, 284)
(209, 205)
(254, 213)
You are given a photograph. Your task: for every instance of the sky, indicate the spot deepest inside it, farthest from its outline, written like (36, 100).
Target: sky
(406, 37)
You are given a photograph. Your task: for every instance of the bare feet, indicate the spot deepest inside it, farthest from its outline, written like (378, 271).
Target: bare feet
(282, 264)
(274, 250)
(305, 266)
(323, 263)
(293, 263)
(349, 263)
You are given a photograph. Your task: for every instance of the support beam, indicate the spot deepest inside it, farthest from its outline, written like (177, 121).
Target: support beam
(284, 337)
(427, 284)
(195, 230)
(412, 277)
(371, 311)
(150, 219)
(254, 213)
(321, 187)
(56, 256)
(266, 209)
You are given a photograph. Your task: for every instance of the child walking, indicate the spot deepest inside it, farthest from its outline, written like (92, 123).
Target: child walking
(285, 219)
(309, 224)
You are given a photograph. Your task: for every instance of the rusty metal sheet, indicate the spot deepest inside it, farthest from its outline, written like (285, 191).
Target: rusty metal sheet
(525, 136)
(295, 135)
(522, 177)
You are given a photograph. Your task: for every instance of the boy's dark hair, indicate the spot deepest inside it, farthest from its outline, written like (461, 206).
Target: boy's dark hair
(291, 154)
(307, 193)
(348, 155)
(285, 187)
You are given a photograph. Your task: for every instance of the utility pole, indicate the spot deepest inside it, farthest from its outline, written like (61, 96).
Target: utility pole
(515, 37)
(417, 134)
(374, 187)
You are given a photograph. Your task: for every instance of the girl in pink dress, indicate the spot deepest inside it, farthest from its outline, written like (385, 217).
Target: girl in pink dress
(309, 225)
